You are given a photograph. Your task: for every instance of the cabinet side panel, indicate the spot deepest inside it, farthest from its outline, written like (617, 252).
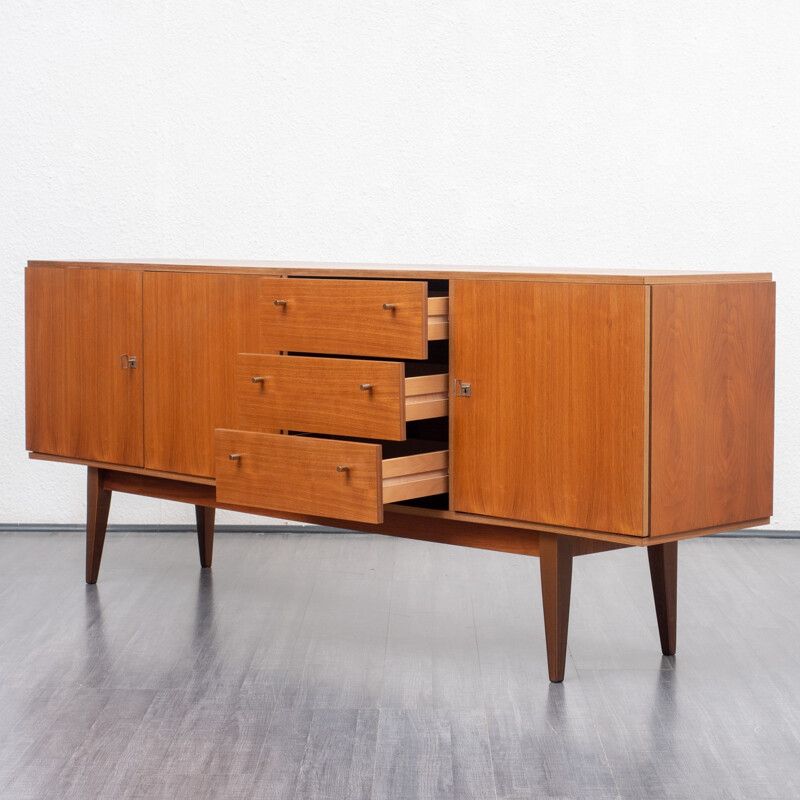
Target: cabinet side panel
(553, 431)
(713, 379)
(80, 403)
(194, 327)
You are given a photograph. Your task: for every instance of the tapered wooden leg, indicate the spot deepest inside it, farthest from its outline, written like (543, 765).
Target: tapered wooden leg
(98, 503)
(664, 575)
(555, 561)
(205, 533)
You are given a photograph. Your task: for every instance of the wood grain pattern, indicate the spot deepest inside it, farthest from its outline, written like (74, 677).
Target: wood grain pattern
(345, 317)
(79, 402)
(413, 271)
(713, 373)
(554, 430)
(194, 328)
(322, 395)
(298, 473)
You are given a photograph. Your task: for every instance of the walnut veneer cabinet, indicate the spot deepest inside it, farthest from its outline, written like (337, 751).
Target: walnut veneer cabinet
(543, 413)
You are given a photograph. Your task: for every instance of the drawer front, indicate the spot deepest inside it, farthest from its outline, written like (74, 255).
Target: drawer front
(344, 397)
(388, 319)
(320, 477)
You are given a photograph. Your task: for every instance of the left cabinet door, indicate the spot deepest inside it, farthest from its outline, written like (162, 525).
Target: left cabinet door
(195, 325)
(83, 392)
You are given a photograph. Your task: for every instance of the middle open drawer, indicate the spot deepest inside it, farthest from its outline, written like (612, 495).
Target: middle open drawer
(337, 396)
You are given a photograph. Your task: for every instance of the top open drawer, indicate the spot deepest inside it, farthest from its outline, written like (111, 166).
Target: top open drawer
(387, 319)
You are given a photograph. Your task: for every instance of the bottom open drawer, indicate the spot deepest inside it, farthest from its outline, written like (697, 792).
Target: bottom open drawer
(324, 477)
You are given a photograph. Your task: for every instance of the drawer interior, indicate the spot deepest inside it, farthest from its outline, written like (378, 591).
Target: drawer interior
(438, 315)
(426, 396)
(408, 474)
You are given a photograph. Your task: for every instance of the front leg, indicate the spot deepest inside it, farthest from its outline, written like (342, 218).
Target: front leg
(205, 533)
(664, 576)
(98, 504)
(555, 562)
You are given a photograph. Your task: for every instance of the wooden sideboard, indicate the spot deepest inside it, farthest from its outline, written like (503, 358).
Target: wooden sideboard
(546, 413)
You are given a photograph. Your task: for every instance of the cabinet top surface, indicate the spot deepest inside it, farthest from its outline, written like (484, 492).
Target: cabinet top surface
(357, 270)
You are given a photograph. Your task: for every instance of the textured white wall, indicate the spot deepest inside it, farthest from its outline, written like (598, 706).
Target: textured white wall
(567, 134)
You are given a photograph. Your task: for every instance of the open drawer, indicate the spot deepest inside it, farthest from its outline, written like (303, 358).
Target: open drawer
(324, 477)
(339, 396)
(386, 319)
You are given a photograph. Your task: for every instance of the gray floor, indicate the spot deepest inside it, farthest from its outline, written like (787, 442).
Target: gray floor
(351, 666)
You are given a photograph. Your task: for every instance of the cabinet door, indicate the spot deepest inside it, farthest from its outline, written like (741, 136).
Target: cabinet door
(194, 327)
(83, 400)
(554, 428)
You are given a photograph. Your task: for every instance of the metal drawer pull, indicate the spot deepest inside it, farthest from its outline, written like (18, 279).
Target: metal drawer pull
(235, 456)
(366, 387)
(389, 307)
(279, 302)
(257, 379)
(127, 362)
(342, 468)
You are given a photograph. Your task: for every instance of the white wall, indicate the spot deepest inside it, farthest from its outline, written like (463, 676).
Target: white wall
(625, 133)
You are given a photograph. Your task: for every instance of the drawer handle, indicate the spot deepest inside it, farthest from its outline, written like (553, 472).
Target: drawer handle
(257, 379)
(366, 387)
(234, 456)
(389, 307)
(279, 302)
(342, 468)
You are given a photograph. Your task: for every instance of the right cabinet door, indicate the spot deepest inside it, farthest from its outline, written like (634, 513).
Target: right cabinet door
(554, 428)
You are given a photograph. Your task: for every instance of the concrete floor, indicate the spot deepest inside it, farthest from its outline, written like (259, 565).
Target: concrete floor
(324, 665)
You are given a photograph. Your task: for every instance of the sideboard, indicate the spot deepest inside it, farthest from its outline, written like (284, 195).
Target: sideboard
(552, 414)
